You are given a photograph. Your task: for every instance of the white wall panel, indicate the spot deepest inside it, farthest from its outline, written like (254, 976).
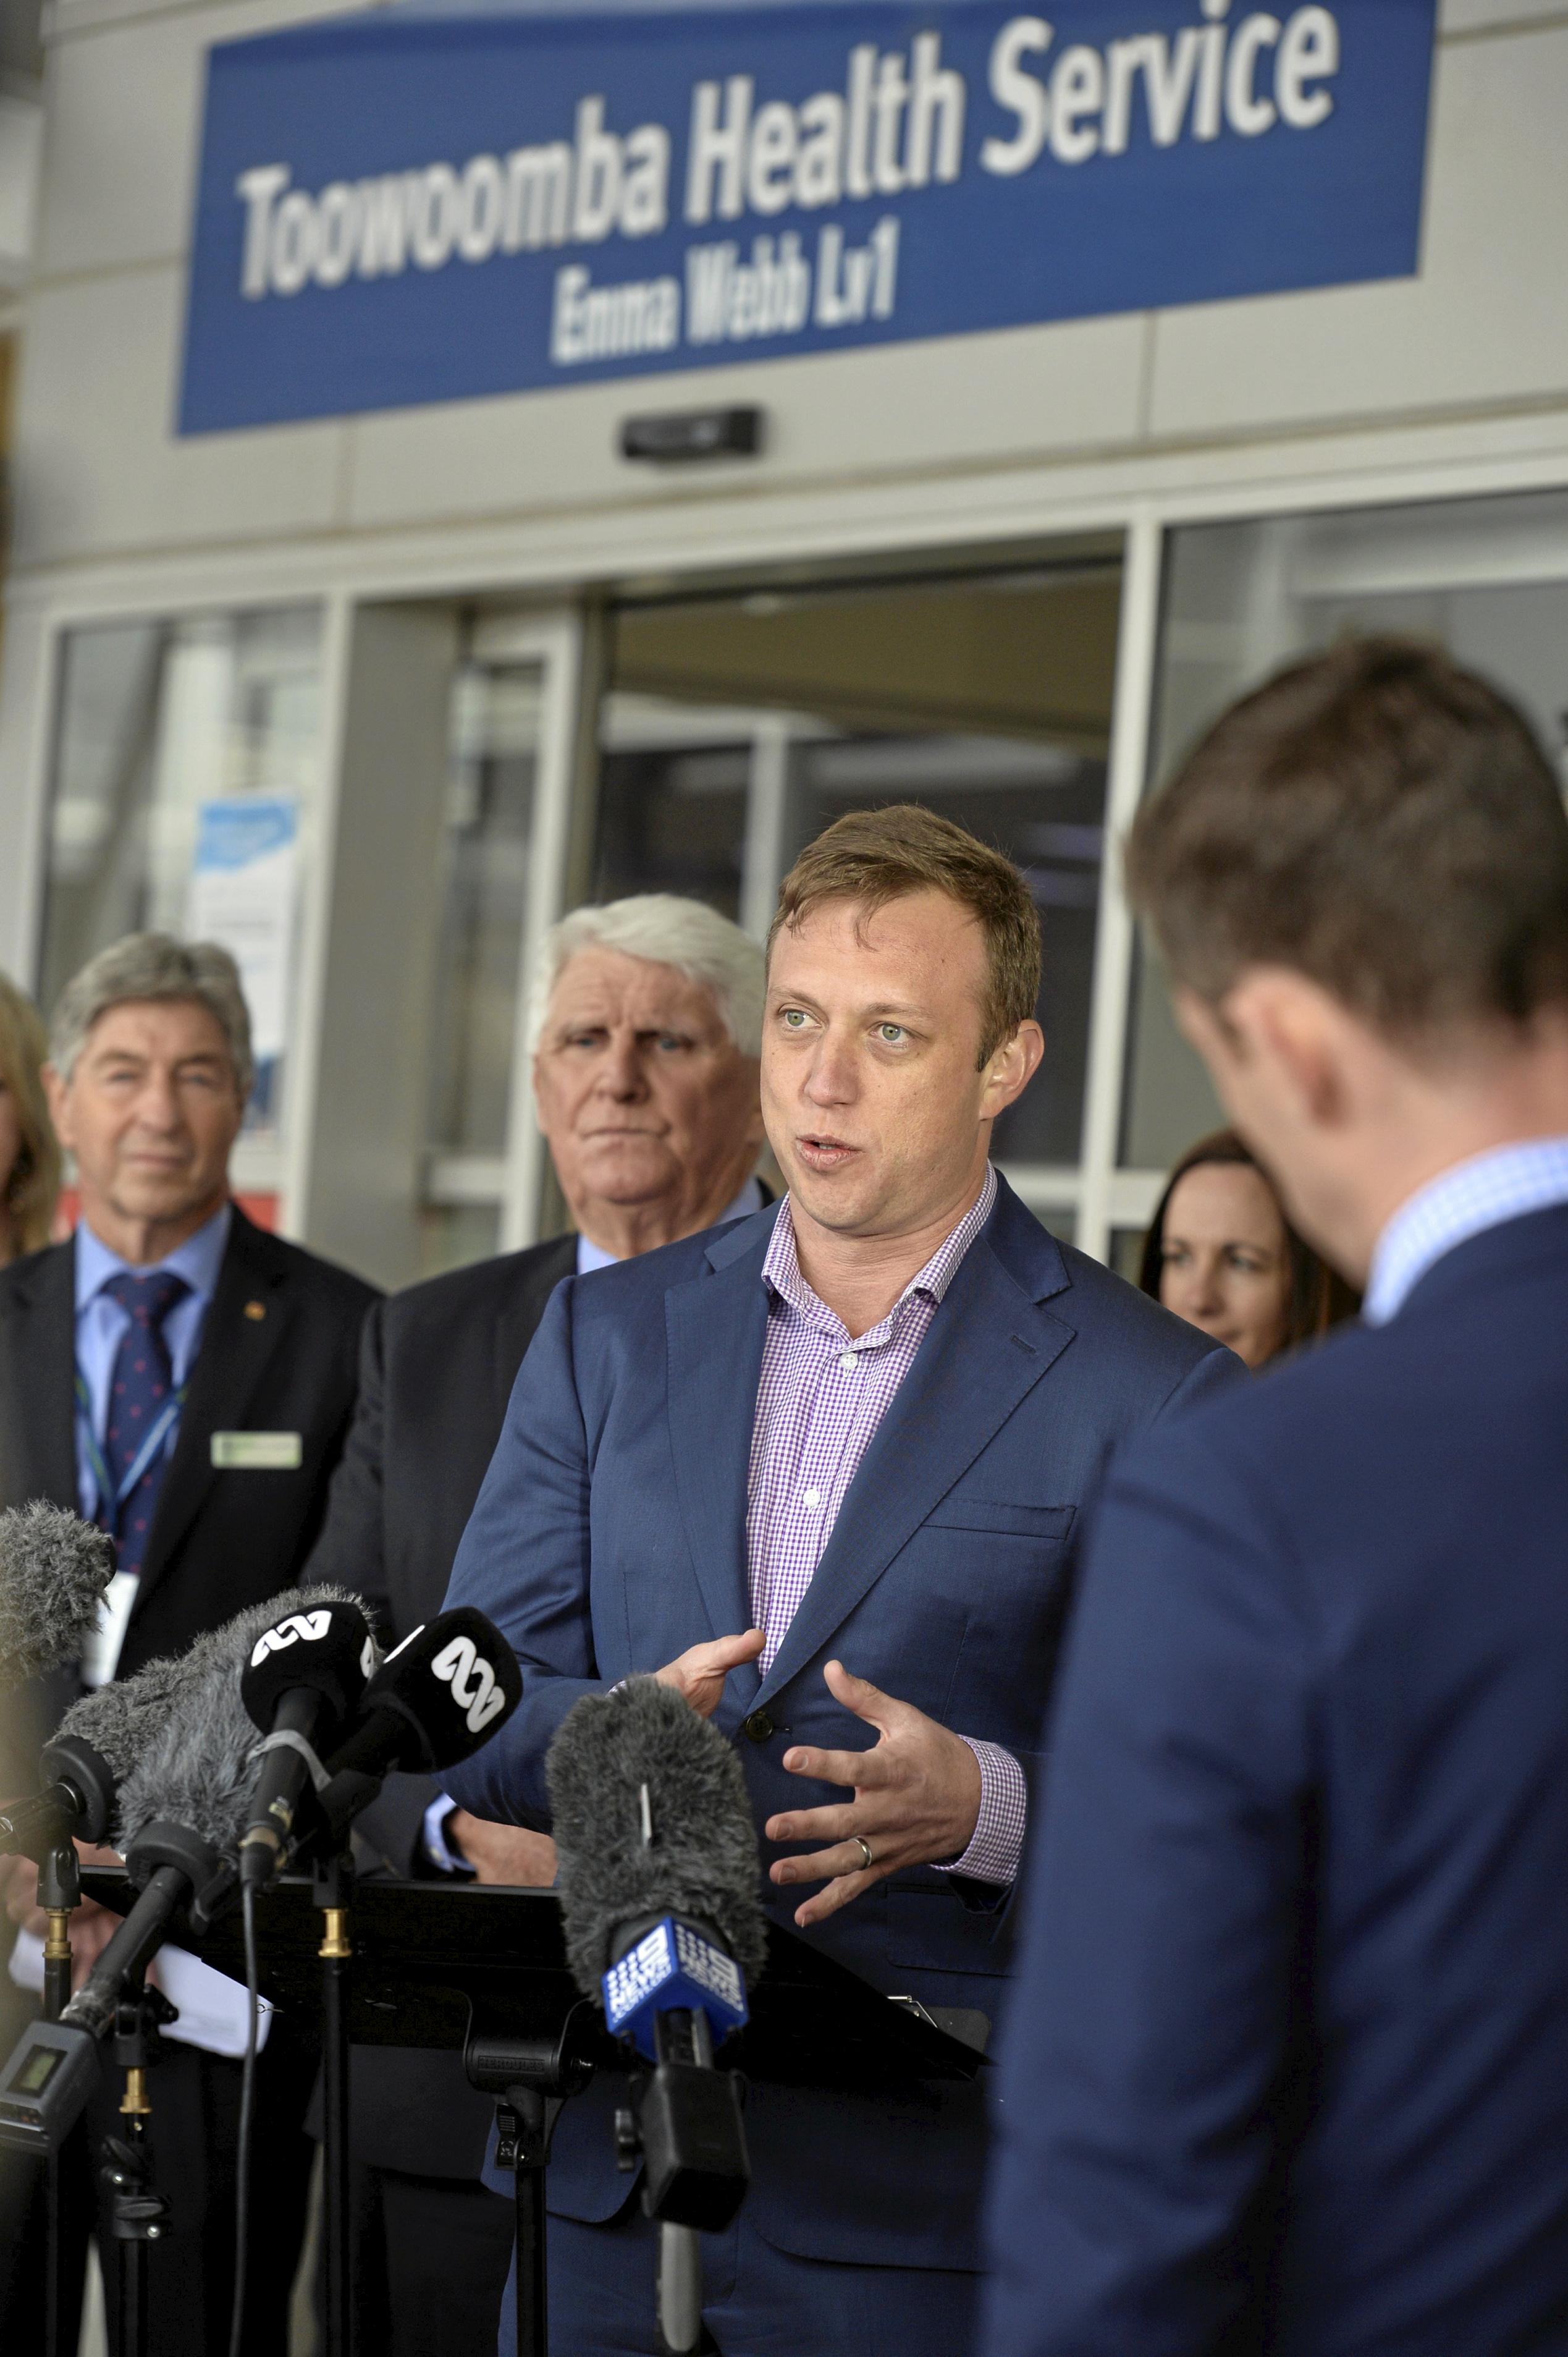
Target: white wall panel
(1026, 392)
(124, 111)
(1460, 16)
(97, 465)
(1483, 321)
(124, 108)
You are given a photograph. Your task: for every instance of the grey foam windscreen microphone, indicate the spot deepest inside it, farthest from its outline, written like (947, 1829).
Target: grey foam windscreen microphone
(183, 1806)
(701, 1863)
(54, 1568)
(122, 1719)
(198, 1771)
(95, 1746)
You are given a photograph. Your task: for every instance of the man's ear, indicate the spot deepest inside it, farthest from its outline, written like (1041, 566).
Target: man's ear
(1012, 1068)
(1286, 1024)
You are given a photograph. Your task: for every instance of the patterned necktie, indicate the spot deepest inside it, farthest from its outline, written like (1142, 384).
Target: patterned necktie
(139, 1392)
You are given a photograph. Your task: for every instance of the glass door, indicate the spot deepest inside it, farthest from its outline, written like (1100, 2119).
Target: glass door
(737, 727)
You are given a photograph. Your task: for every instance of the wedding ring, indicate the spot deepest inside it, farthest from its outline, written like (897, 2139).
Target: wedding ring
(863, 1846)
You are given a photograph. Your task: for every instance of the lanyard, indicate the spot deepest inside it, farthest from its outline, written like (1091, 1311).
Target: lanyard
(109, 1499)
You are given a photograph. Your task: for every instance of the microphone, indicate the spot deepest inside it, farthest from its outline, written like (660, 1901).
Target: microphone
(434, 1700)
(93, 1749)
(652, 1821)
(658, 1879)
(184, 1808)
(304, 1675)
(54, 1570)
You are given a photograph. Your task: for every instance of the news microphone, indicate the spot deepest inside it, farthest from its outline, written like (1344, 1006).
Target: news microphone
(659, 1878)
(652, 1821)
(182, 1811)
(54, 1570)
(95, 1746)
(301, 1685)
(434, 1700)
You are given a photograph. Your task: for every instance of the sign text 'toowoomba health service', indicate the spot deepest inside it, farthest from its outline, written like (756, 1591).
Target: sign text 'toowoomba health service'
(413, 206)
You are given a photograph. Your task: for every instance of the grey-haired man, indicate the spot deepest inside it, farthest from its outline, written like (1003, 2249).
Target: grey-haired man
(186, 1380)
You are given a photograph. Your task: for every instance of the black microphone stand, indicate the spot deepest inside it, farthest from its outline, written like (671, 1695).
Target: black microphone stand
(532, 2077)
(59, 1894)
(333, 1894)
(138, 2215)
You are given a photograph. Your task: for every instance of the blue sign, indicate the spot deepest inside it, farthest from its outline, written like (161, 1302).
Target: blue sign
(416, 206)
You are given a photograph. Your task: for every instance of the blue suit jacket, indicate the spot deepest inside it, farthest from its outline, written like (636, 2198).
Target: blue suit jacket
(1287, 2064)
(611, 1535)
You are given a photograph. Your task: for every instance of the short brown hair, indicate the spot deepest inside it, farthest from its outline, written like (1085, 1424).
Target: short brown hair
(874, 857)
(1380, 820)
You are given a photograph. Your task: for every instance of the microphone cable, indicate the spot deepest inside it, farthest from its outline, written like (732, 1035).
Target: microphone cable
(247, 2123)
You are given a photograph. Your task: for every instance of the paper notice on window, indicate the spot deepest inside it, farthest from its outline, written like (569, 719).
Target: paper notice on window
(242, 895)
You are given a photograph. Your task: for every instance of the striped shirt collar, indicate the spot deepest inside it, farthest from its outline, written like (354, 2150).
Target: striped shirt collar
(782, 1269)
(1475, 1195)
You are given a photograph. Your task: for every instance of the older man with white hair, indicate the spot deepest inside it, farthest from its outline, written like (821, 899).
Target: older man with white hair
(645, 1018)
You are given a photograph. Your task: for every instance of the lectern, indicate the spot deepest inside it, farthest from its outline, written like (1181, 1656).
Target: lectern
(484, 1972)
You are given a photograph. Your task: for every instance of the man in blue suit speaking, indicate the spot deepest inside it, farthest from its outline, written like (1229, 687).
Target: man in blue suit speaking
(1287, 2068)
(820, 1471)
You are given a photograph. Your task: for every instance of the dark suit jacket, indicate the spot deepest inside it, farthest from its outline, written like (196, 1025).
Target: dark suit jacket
(278, 1353)
(1288, 2062)
(610, 1535)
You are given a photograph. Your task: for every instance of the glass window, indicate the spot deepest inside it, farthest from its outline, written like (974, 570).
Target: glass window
(673, 809)
(1044, 807)
(739, 727)
(451, 1235)
(1485, 578)
(489, 814)
(185, 800)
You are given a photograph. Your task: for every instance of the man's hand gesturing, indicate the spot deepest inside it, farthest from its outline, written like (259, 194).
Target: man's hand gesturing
(916, 1800)
(701, 1670)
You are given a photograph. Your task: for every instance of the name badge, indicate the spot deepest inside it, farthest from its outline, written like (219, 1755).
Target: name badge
(257, 1452)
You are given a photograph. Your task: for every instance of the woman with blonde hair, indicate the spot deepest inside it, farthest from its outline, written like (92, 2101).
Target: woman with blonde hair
(29, 1154)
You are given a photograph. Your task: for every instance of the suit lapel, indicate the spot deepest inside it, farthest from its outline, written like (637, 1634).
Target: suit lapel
(38, 1349)
(988, 1345)
(236, 1347)
(714, 1329)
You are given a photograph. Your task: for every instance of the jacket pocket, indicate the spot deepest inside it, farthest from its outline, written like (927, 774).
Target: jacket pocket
(932, 1931)
(1002, 1519)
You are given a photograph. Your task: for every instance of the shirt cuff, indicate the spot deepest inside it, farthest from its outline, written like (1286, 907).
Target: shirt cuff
(432, 1837)
(997, 1844)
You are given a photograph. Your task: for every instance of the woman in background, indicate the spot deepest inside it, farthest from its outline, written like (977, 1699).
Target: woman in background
(29, 1156)
(1220, 1253)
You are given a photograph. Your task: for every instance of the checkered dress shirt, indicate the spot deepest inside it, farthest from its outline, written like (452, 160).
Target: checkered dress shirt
(1475, 1195)
(820, 1398)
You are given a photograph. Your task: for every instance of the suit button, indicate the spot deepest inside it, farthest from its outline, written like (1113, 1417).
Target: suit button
(759, 1727)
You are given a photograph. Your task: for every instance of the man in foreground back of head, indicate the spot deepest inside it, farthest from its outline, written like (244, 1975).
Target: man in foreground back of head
(1288, 2065)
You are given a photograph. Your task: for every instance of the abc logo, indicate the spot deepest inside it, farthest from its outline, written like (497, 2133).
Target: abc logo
(306, 1625)
(472, 1681)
